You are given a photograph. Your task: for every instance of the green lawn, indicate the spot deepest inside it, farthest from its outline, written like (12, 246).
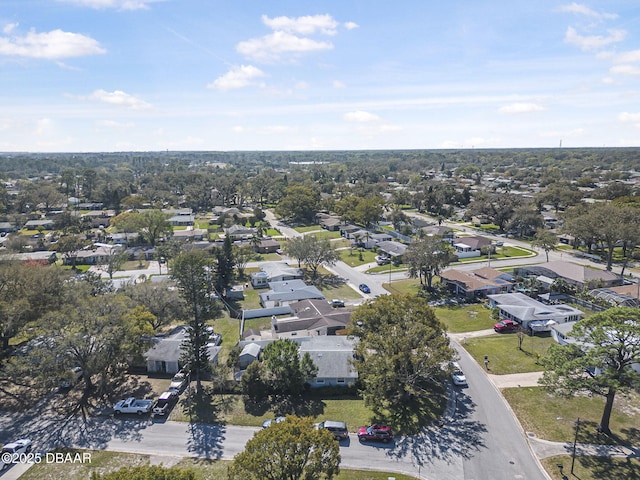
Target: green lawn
(230, 409)
(553, 418)
(403, 287)
(504, 356)
(464, 319)
(326, 234)
(205, 469)
(355, 258)
(309, 228)
(593, 468)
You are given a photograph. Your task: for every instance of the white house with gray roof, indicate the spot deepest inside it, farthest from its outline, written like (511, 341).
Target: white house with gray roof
(525, 310)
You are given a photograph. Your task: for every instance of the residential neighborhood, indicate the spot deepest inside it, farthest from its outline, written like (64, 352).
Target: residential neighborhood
(166, 312)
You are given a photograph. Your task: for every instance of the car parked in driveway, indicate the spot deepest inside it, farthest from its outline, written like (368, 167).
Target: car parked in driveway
(164, 403)
(376, 433)
(271, 421)
(505, 326)
(364, 288)
(179, 382)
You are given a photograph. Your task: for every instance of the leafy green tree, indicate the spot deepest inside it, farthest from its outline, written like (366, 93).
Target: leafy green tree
(400, 353)
(225, 264)
(69, 247)
(546, 240)
(147, 472)
(114, 260)
(192, 273)
(283, 370)
(289, 450)
(161, 299)
(525, 220)
(299, 204)
(608, 344)
(312, 252)
(426, 257)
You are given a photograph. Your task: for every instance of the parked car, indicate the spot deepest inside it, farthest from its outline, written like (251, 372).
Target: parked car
(377, 433)
(505, 326)
(335, 303)
(267, 423)
(338, 429)
(179, 381)
(17, 447)
(364, 288)
(132, 405)
(164, 403)
(382, 260)
(71, 378)
(457, 375)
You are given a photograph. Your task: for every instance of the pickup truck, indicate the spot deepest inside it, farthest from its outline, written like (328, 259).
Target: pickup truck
(132, 405)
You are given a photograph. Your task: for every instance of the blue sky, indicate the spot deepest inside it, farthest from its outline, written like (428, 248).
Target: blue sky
(142, 75)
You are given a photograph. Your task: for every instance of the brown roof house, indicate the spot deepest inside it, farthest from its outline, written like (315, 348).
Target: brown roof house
(477, 283)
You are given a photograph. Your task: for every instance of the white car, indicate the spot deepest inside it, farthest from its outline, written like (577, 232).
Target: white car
(179, 382)
(457, 375)
(22, 445)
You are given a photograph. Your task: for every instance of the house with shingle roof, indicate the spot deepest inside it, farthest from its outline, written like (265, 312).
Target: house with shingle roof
(525, 310)
(477, 283)
(580, 276)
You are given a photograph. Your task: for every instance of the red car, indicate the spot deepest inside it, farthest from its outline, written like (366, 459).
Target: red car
(505, 326)
(378, 433)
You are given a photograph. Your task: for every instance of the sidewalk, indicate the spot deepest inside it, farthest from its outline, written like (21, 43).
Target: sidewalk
(545, 448)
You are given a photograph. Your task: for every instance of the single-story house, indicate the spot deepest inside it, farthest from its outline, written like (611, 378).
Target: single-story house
(259, 279)
(284, 293)
(123, 238)
(392, 249)
(240, 232)
(333, 357)
(7, 227)
(281, 271)
(580, 276)
(477, 283)
(439, 231)
(35, 224)
(331, 223)
(468, 247)
(93, 256)
(182, 220)
(249, 354)
(164, 356)
(267, 245)
(524, 310)
(311, 318)
(346, 230)
(194, 235)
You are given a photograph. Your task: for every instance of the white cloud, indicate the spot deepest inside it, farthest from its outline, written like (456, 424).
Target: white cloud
(350, 25)
(117, 4)
(114, 124)
(593, 42)
(629, 117)
(306, 25)
(117, 97)
(302, 85)
(580, 9)
(237, 77)
(361, 116)
(633, 70)
(9, 27)
(521, 108)
(337, 84)
(50, 45)
(271, 47)
(631, 56)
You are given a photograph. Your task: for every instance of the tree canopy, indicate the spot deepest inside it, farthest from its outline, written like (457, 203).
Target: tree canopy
(400, 354)
(289, 450)
(599, 363)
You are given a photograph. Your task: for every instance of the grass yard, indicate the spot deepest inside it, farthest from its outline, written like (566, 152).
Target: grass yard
(465, 319)
(326, 234)
(504, 356)
(230, 409)
(204, 469)
(403, 287)
(355, 258)
(592, 468)
(309, 228)
(553, 418)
